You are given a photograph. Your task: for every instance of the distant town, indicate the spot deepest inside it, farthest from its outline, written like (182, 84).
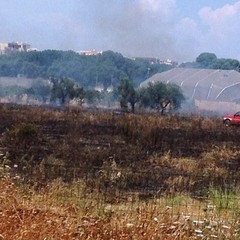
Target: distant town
(9, 47)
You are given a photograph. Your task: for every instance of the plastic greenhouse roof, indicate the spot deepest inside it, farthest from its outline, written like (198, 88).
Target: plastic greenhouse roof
(202, 84)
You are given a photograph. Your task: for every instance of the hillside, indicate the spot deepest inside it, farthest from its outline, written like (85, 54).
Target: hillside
(105, 69)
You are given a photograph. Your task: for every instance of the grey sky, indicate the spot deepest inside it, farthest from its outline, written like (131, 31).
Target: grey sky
(176, 29)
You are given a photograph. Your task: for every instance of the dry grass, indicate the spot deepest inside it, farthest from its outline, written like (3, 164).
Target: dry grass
(50, 215)
(86, 175)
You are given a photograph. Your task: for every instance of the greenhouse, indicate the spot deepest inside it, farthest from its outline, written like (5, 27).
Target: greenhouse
(202, 84)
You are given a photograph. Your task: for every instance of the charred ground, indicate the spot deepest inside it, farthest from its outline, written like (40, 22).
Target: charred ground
(142, 150)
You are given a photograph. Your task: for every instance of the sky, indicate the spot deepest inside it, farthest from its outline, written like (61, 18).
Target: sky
(179, 30)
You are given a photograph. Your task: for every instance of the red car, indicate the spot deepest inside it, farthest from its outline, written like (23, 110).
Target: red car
(229, 120)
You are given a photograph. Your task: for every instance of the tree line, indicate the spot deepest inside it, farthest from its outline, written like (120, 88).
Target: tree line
(104, 69)
(74, 76)
(211, 61)
(159, 96)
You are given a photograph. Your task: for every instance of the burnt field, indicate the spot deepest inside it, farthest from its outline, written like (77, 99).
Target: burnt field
(127, 152)
(72, 174)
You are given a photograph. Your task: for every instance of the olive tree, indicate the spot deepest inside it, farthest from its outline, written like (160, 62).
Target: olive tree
(127, 94)
(65, 89)
(161, 96)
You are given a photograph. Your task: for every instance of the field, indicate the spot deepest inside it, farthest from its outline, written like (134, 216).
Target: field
(75, 174)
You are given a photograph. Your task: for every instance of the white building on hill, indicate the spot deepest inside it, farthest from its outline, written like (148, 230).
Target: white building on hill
(8, 47)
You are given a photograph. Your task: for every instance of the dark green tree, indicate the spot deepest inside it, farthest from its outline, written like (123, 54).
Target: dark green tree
(210, 61)
(104, 69)
(206, 59)
(127, 94)
(62, 89)
(92, 96)
(133, 98)
(161, 96)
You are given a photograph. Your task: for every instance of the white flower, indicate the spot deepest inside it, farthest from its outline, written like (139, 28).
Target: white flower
(214, 236)
(211, 207)
(226, 227)
(130, 225)
(186, 217)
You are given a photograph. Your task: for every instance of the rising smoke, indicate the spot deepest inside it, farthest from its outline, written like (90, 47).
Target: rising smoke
(135, 28)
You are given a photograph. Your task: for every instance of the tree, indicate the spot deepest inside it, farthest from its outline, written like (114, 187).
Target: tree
(161, 96)
(133, 98)
(127, 94)
(206, 59)
(229, 64)
(92, 96)
(42, 90)
(175, 96)
(62, 89)
(210, 61)
(79, 94)
(106, 68)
